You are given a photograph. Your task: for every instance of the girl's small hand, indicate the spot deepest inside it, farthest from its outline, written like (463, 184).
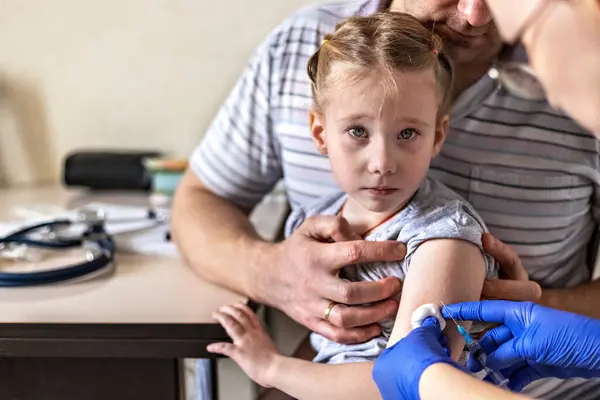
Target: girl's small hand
(252, 349)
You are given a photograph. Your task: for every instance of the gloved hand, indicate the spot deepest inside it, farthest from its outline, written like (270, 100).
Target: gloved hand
(398, 369)
(533, 341)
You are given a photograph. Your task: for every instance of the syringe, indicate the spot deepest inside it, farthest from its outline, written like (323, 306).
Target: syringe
(477, 352)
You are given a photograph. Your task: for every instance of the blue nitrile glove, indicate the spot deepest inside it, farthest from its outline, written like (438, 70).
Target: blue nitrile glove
(398, 369)
(533, 341)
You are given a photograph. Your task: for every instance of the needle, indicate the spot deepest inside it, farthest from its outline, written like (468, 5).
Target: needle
(443, 305)
(476, 350)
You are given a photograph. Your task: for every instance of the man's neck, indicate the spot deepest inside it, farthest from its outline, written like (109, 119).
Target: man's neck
(467, 75)
(393, 5)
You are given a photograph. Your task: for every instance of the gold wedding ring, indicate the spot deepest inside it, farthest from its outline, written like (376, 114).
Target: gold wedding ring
(328, 310)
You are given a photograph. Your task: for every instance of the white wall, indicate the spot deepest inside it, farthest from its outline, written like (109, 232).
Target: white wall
(132, 73)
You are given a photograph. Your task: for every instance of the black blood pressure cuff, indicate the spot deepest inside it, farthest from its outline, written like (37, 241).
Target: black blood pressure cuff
(108, 170)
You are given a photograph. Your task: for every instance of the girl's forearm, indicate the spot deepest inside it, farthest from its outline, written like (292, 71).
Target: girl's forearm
(443, 381)
(305, 380)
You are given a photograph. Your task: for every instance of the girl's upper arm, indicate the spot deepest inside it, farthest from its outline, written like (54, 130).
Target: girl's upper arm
(448, 270)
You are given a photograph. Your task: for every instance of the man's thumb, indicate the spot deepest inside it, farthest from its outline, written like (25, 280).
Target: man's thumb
(506, 289)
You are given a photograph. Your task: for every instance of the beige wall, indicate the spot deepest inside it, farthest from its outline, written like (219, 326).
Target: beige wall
(132, 73)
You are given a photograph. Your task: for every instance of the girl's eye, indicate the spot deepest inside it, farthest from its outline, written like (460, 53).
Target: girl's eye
(357, 131)
(408, 133)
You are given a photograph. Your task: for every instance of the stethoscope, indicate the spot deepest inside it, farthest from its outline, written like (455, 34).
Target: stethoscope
(98, 244)
(512, 73)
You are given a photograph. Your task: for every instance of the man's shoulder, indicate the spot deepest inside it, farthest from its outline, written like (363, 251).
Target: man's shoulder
(489, 110)
(314, 20)
(334, 12)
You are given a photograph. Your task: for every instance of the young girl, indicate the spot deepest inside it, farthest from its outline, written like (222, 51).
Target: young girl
(381, 92)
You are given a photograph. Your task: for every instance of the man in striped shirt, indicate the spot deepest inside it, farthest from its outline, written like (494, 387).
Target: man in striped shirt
(530, 172)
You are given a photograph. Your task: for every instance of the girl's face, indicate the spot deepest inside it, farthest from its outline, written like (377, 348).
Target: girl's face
(380, 142)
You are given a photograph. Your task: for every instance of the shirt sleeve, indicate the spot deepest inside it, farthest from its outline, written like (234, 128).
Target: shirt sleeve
(454, 220)
(238, 158)
(294, 220)
(327, 205)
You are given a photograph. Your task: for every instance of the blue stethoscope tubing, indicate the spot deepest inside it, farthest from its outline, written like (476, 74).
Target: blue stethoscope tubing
(20, 236)
(95, 233)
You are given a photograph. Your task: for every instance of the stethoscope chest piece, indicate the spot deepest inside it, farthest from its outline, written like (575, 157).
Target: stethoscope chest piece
(519, 80)
(513, 74)
(98, 245)
(86, 230)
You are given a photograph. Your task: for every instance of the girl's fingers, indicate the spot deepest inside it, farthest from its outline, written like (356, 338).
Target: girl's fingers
(252, 317)
(231, 325)
(237, 314)
(227, 349)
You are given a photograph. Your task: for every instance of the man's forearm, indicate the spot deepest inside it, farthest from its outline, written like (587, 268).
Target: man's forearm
(583, 299)
(216, 238)
(305, 380)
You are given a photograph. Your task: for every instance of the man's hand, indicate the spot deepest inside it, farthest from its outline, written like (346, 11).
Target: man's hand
(514, 283)
(301, 279)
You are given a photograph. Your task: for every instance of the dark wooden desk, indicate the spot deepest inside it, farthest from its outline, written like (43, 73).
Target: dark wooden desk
(119, 336)
(100, 361)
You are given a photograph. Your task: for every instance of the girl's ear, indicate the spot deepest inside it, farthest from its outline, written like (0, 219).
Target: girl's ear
(441, 129)
(317, 132)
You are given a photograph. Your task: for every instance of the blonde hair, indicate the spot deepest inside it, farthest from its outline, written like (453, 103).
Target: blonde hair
(384, 42)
